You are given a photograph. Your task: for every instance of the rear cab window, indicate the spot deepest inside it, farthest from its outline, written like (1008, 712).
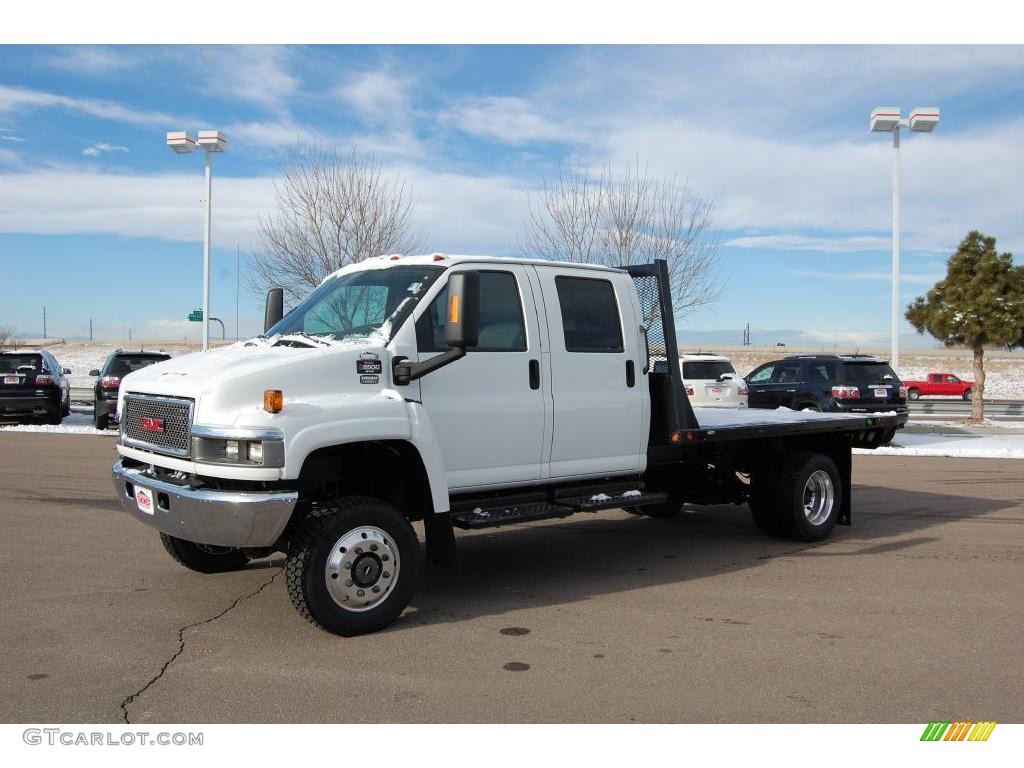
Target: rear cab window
(590, 314)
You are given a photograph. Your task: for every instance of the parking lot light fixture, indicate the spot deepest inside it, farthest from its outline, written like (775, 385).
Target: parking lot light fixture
(183, 142)
(889, 120)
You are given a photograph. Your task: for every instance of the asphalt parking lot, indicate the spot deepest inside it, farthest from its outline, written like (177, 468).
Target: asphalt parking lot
(915, 613)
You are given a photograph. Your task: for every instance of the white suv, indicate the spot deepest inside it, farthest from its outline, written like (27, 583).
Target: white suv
(711, 380)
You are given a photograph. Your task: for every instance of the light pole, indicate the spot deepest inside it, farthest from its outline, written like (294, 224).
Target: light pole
(183, 143)
(887, 119)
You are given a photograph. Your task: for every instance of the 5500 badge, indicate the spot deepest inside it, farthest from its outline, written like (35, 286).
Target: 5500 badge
(369, 368)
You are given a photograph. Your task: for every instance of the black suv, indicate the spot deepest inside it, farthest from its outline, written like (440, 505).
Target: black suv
(118, 365)
(843, 383)
(33, 385)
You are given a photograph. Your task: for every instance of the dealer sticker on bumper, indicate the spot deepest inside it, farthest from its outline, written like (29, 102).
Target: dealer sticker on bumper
(144, 498)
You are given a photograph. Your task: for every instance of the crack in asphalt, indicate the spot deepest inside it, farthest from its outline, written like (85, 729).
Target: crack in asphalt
(127, 702)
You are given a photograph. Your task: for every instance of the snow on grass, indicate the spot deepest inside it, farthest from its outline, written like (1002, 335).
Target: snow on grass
(954, 446)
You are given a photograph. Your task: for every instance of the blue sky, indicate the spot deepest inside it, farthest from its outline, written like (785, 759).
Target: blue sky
(99, 219)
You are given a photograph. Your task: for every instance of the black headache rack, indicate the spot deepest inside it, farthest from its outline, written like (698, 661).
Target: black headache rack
(673, 421)
(671, 412)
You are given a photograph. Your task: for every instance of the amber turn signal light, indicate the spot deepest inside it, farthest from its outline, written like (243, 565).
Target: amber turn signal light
(273, 400)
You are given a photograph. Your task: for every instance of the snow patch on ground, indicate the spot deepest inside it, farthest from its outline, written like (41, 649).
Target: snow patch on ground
(954, 446)
(75, 424)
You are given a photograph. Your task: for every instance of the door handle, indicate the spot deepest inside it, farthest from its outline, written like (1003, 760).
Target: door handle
(535, 374)
(630, 374)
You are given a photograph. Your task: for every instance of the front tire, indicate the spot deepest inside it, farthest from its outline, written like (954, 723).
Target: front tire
(204, 558)
(352, 566)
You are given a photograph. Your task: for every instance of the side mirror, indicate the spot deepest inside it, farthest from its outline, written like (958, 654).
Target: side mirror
(93, 372)
(462, 319)
(727, 377)
(275, 308)
(67, 371)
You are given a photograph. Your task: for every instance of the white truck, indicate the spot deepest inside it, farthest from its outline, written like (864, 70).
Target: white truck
(463, 392)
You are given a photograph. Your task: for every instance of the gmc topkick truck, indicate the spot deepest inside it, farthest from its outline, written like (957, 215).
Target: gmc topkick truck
(465, 392)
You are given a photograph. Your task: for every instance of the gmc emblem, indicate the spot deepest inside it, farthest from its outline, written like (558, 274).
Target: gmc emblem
(152, 425)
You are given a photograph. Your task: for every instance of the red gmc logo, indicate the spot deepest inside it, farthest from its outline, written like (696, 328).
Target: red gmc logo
(152, 425)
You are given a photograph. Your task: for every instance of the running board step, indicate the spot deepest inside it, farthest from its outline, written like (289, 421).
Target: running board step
(599, 501)
(492, 517)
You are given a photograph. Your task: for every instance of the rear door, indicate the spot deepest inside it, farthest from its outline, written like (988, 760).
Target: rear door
(489, 409)
(597, 373)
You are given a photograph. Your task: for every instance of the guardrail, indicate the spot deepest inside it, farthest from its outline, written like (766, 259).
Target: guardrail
(83, 395)
(1010, 410)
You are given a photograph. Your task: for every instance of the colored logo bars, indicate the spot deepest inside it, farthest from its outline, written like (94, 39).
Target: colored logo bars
(958, 731)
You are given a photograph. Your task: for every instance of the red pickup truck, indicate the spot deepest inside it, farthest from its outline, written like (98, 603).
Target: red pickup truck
(940, 384)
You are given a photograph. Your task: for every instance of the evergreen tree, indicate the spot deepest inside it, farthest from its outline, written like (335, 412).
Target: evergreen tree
(979, 302)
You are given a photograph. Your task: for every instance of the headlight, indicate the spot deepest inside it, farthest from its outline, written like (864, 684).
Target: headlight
(255, 448)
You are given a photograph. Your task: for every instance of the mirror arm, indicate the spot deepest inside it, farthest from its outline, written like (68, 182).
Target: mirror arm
(404, 370)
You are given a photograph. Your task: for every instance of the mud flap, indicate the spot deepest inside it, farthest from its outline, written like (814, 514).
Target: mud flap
(440, 539)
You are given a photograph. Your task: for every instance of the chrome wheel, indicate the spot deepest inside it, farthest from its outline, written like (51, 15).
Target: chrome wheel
(819, 497)
(362, 569)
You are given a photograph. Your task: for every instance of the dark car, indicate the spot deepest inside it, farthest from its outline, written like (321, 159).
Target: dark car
(838, 383)
(117, 366)
(33, 386)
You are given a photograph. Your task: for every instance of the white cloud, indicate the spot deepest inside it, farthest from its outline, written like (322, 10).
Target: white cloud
(92, 60)
(253, 73)
(10, 137)
(378, 96)
(17, 99)
(846, 338)
(951, 183)
(865, 276)
(851, 244)
(457, 212)
(9, 157)
(506, 118)
(101, 148)
(267, 133)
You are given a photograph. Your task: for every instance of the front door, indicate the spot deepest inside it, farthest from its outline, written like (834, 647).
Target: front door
(489, 408)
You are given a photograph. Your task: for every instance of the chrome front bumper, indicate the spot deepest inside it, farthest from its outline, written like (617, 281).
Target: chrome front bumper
(224, 518)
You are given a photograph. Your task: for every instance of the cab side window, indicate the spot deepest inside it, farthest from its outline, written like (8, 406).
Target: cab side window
(501, 317)
(590, 315)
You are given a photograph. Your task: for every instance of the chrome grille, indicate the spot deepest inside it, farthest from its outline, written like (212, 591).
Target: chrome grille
(174, 414)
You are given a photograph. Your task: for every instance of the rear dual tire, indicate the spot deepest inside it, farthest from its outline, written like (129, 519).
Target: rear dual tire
(799, 500)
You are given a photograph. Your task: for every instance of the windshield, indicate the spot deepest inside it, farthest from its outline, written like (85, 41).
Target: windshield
(371, 302)
(706, 369)
(11, 363)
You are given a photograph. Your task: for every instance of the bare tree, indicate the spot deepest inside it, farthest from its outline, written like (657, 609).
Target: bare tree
(332, 210)
(6, 334)
(627, 218)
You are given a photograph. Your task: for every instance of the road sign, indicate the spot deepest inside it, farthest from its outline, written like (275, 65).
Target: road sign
(196, 315)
